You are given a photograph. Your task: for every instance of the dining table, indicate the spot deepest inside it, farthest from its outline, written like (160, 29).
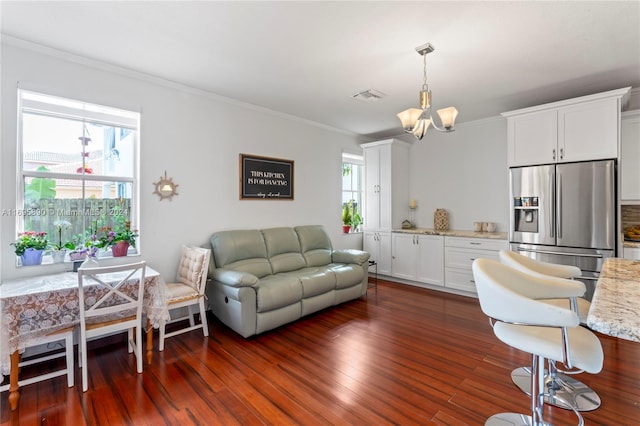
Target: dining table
(615, 306)
(50, 303)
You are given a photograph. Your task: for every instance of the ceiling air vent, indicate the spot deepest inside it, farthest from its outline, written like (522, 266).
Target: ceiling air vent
(368, 95)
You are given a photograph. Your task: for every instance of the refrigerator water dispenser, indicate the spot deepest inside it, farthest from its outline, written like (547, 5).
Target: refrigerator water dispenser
(525, 217)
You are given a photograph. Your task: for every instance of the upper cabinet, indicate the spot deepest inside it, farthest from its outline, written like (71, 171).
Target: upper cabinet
(630, 156)
(386, 182)
(579, 129)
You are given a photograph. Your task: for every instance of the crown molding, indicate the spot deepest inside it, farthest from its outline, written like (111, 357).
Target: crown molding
(127, 72)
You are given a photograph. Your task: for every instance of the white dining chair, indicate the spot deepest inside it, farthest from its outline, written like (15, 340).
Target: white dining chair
(187, 292)
(111, 300)
(64, 337)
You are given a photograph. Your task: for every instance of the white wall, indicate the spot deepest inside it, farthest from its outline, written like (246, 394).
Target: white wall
(197, 138)
(464, 172)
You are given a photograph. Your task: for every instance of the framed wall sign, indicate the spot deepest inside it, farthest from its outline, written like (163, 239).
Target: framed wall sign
(265, 178)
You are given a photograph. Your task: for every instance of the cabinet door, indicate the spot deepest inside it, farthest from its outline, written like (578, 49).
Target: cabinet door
(430, 267)
(378, 245)
(588, 131)
(631, 253)
(385, 187)
(403, 256)
(384, 254)
(630, 157)
(372, 185)
(532, 138)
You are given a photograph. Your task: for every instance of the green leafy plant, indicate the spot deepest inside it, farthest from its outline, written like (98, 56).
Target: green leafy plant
(107, 237)
(40, 188)
(30, 239)
(347, 218)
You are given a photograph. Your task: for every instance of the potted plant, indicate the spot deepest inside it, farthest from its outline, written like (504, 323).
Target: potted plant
(58, 249)
(347, 218)
(29, 246)
(119, 239)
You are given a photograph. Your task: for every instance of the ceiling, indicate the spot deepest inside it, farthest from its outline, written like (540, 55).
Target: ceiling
(307, 59)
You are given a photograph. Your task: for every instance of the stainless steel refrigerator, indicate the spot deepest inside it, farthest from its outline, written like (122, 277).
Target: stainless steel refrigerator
(565, 213)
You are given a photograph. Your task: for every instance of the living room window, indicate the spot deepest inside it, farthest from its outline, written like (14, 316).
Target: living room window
(352, 170)
(78, 164)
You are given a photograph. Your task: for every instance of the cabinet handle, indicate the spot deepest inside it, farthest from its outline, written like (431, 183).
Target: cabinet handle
(562, 153)
(475, 244)
(472, 259)
(554, 154)
(472, 281)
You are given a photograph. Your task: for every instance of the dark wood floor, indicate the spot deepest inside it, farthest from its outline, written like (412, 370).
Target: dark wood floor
(403, 356)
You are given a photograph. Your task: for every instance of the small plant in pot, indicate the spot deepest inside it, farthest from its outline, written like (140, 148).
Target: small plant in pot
(347, 218)
(58, 249)
(29, 246)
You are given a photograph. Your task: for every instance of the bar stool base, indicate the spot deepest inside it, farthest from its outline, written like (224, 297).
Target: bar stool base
(583, 397)
(512, 419)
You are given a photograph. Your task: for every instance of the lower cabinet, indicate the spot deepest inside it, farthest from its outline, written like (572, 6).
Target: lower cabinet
(459, 254)
(631, 253)
(378, 245)
(418, 258)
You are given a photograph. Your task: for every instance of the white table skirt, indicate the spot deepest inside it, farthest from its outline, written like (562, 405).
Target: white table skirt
(33, 307)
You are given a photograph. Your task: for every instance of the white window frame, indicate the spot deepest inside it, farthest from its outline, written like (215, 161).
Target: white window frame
(355, 159)
(57, 107)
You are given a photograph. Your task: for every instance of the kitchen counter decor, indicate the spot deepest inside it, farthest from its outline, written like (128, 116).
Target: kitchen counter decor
(441, 220)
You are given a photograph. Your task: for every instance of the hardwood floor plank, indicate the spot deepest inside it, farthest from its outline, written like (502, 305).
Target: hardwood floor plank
(406, 356)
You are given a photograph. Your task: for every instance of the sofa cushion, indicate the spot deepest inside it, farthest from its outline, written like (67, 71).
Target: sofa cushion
(315, 244)
(347, 275)
(283, 249)
(241, 250)
(276, 291)
(316, 281)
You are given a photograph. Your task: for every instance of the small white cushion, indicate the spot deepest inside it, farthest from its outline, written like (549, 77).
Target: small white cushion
(191, 266)
(178, 291)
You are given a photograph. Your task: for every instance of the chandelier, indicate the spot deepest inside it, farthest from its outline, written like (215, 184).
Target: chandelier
(418, 120)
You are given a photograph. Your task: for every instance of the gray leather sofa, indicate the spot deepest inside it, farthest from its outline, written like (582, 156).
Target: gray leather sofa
(262, 279)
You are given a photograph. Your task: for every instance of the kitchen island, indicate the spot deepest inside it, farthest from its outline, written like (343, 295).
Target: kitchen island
(616, 301)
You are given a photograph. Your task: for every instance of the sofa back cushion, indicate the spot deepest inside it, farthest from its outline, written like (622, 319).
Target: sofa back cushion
(241, 250)
(315, 244)
(283, 249)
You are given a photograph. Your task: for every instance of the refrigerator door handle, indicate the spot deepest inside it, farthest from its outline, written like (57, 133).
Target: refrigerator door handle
(559, 202)
(552, 231)
(599, 256)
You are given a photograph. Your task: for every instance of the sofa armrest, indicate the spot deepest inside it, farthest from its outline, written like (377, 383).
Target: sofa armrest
(234, 278)
(358, 257)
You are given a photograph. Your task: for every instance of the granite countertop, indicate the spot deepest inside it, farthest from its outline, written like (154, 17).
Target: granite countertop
(454, 233)
(614, 308)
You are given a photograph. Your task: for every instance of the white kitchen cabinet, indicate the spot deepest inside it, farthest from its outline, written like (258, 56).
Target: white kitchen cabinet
(386, 182)
(631, 253)
(378, 245)
(459, 254)
(630, 156)
(418, 258)
(532, 138)
(579, 129)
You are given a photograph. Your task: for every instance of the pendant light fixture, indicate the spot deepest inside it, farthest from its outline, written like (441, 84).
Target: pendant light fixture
(418, 120)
